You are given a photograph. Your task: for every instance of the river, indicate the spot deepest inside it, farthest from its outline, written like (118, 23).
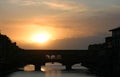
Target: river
(52, 70)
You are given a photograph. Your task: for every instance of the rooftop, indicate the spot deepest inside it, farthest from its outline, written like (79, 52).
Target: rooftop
(115, 29)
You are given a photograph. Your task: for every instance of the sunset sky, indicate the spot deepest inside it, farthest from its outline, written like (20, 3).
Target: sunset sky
(70, 24)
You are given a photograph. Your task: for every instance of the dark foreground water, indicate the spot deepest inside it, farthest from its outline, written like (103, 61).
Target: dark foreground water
(52, 70)
(51, 74)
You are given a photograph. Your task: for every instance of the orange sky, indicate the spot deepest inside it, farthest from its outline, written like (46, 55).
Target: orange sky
(72, 24)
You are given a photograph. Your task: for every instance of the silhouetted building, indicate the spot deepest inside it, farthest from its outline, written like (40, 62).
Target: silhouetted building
(108, 42)
(116, 39)
(102, 46)
(96, 47)
(8, 54)
(107, 55)
(116, 50)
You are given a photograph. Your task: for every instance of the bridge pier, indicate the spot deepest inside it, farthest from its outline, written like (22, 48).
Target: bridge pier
(37, 67)
(68, 67)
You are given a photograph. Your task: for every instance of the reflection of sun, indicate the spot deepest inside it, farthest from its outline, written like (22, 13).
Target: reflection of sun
(41, 37)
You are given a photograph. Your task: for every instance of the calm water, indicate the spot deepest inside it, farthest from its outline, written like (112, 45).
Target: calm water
(52, 70)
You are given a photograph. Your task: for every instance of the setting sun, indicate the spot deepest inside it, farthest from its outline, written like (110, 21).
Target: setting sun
(41, 37)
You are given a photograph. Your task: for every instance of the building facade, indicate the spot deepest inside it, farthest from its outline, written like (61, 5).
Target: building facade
(116, 39)
(116, 51)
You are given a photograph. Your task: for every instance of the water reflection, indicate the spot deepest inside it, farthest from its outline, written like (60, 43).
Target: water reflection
(29, 68)
(53, 74)
(79, 66)
(52, 69)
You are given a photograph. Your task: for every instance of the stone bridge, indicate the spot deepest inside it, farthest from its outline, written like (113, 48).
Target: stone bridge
(40, 57)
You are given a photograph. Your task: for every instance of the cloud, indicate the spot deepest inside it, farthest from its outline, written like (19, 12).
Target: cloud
(25, 2)
(51, 4)
(81, 24)
(58, 6)
(83, 18)
(64, 5)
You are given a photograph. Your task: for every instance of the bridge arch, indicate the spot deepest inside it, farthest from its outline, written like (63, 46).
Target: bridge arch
(47, 56)
(29, 67)
(53, 57)
(58, 57)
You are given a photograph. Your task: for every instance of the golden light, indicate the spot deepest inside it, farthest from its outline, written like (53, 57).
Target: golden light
(29, 68)
(42, 69)
(41, 37)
